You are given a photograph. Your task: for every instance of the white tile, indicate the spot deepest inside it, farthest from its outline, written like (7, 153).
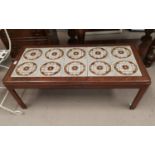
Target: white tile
(71, 60)
(86, 61)
(106, 60)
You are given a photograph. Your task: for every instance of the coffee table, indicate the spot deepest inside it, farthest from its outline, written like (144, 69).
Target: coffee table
(87, 66)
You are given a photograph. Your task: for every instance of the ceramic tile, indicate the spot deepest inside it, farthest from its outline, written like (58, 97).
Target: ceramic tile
(77, 61)
(46, 64)
(124, 62)
(99, 61)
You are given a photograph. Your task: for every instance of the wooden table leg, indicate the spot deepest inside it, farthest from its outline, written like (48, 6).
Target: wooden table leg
(138, 97)
(17, 98)
(81, 35)
(150, 56)
(146, 42)
(72, 36)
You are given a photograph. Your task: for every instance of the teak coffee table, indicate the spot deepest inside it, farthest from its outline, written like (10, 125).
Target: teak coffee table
(107, 66)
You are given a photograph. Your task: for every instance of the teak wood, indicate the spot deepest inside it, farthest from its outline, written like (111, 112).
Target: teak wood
(133, 82)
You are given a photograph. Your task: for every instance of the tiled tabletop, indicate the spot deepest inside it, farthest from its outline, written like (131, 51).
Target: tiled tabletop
(77, 62)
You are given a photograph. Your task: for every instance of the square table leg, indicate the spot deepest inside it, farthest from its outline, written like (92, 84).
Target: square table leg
(138, 97)
(17, 98)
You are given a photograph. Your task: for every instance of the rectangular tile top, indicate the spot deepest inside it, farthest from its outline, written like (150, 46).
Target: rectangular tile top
(94, 61)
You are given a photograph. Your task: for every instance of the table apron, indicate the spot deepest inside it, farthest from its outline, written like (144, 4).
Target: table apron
(65, 86)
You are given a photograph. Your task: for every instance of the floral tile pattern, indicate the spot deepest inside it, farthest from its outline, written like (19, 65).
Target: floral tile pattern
(26, 68)
(125, 67)
(50, 68)
(121, 52)
(54, 54)
(98, 53)
(77, 62)
(99, 68)
(32, 54)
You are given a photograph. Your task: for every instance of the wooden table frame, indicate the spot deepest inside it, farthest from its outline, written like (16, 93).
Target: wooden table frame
(137, 82)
